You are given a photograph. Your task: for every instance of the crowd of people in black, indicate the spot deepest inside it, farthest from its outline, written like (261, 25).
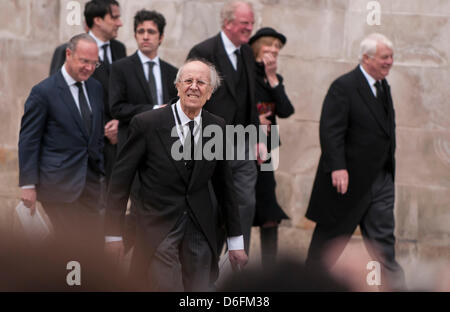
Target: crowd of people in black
(97, 140)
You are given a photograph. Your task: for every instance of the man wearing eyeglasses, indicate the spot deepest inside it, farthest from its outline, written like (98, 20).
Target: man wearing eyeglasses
(103, 21)
(176, 247)
(61, 143)
(139, 83)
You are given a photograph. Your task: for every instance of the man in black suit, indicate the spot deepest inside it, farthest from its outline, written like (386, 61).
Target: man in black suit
(103, 21)
(139, 83)
(61, 143)
(234, 101)
(354, 184)
(176, 246)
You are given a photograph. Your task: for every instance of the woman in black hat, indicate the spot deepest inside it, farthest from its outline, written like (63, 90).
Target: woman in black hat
(271, 101)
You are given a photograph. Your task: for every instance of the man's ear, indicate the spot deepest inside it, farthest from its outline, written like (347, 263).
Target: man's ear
(97, 20)
(161, 38)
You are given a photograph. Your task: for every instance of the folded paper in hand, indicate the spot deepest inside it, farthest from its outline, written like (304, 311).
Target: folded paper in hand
(34, 226)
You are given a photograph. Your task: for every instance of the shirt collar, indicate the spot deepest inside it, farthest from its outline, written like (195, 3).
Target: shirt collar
(69, 80)
(369, 78)
(145, 59)
(185, 119)
(228, 45)
(99, 42)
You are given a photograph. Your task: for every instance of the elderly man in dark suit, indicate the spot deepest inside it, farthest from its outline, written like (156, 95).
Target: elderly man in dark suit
(138, 83)
(103, 21)
(176, 246)
(354, 184)
(235, 101)
(61, 142)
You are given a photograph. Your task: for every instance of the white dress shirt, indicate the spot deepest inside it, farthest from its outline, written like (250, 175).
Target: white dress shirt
(156, 72)
(230, 48)
(100, 48)
(370, 80)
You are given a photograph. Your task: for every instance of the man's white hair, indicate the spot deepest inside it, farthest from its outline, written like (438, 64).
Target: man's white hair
(229, 8)
(369, 44)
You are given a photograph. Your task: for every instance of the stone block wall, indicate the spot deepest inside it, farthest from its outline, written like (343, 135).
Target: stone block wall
(323, 42)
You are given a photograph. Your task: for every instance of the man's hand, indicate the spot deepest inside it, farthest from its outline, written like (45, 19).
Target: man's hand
(28, 197)
(339, 178)
(238, 259)
(265, 123)
(111, 130)
(115, 250)
(261, 152)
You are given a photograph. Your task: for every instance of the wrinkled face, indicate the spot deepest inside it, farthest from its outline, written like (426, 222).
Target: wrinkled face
(81, 63)
(148, 38)
(240, 29)
(378, 65)
(272, 48)
(194, 87)
(110, 24)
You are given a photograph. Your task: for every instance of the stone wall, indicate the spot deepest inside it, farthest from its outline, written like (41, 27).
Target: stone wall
(323, 40)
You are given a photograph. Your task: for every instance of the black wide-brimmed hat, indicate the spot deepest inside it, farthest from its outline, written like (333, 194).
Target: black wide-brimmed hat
(267, 32)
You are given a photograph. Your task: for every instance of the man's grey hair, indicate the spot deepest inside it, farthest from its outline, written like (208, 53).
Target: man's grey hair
(229, 8)
(214, 80)
(73, 42)
(369, 44)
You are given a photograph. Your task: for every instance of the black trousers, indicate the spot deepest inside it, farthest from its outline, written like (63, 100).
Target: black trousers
(375, 216)
(80, 221)
(183, 260)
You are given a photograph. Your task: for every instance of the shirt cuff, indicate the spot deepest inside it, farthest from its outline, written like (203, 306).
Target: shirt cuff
(109, 239)
(30, 186)
(235, 242)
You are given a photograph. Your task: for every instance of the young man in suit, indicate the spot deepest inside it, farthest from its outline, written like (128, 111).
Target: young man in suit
(139, 83)
(61, 143)
(103, 21)
(234, 101)
(175, 246)
(354, 184)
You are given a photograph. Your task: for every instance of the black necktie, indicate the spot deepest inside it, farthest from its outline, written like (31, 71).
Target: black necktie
(152, 82)
(189, 144)
(238, 61)
(105, 54)
(84, 108)
(381, 95)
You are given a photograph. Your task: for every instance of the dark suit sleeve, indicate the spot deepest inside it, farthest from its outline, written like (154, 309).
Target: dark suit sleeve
(333, 127)
(31, 132)
(58, 59)
(223, 184)
(122, 177)
(118, 96)
(283, 107)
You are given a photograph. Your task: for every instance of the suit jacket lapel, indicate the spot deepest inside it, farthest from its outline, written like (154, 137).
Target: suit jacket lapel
(141, 76)
(370, 100)
(94, 107)
(225, 66)
(69, 101)
(165, 134)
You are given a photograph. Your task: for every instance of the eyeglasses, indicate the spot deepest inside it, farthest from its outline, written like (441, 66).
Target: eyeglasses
(86, 62)
(200, 83)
